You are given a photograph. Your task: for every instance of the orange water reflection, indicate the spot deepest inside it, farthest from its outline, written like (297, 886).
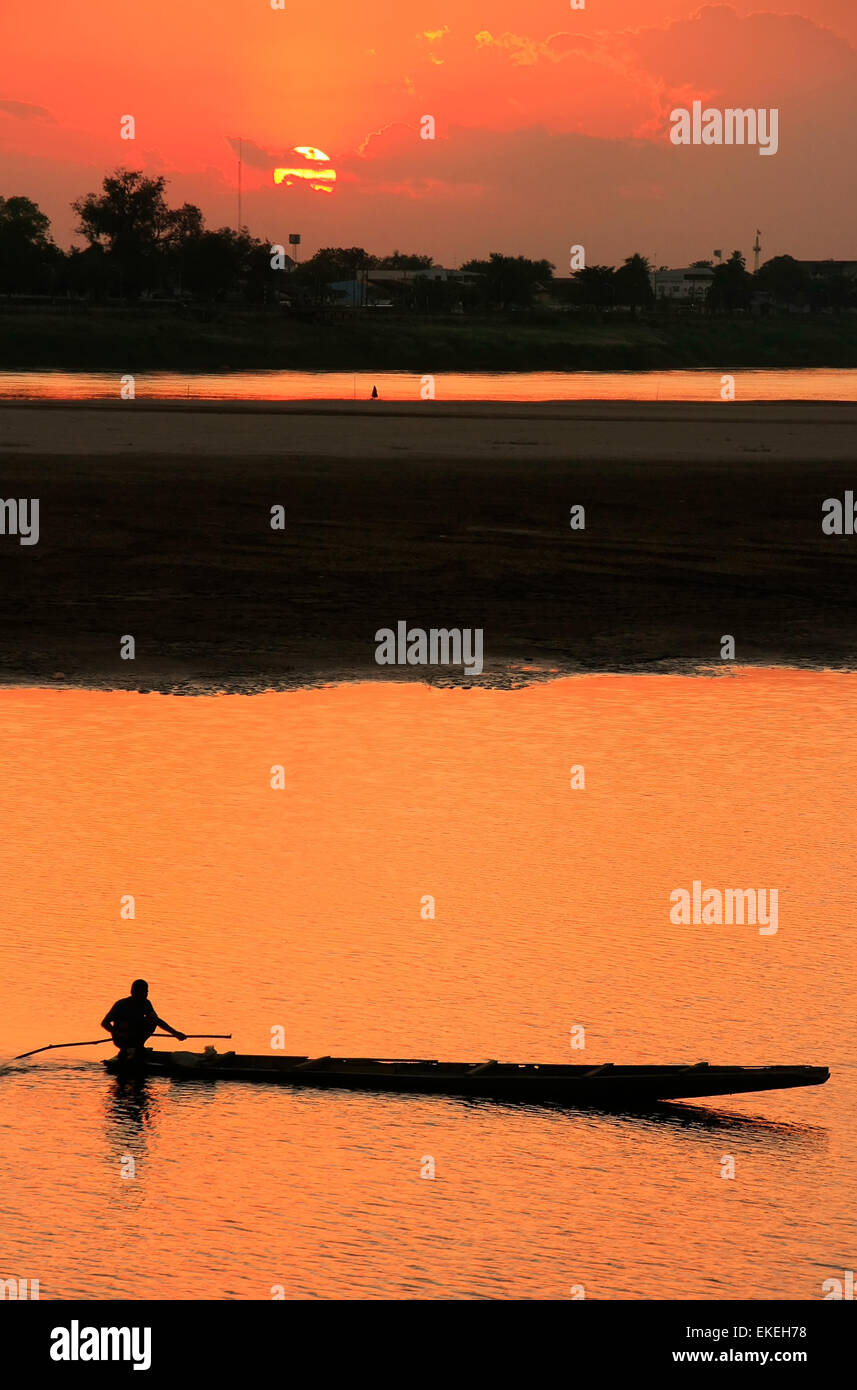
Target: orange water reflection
(815, 384)
(301, 907)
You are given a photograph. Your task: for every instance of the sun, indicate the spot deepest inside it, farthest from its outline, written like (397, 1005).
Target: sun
(321, 180)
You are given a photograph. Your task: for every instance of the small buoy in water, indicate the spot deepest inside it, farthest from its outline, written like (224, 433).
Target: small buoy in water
(374, 393)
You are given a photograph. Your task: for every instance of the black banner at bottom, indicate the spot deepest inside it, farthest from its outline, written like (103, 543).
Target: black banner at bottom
(224, 1339)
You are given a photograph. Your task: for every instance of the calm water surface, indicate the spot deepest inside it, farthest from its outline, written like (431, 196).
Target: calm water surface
(301, 907)
(822, 384)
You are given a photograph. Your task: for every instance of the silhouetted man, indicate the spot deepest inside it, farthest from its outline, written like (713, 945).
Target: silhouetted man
(132, 1021)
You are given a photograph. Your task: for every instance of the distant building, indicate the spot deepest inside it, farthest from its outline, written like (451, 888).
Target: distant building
(822, 270)
(685, 285)
(380, 288)
(358, 294)
(348, 293)
(405, 277)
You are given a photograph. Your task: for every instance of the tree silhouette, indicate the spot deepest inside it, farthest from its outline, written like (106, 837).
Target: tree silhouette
(398, 261)
(632, 283)
(731, 287)
(132, 224)
(784, 278)
(509, 281)
(28, 256)
(597, 286)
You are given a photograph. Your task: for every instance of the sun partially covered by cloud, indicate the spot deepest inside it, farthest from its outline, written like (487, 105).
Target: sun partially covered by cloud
(312, 166)
(315, 170)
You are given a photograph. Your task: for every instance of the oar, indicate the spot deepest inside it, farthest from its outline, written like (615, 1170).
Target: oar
(96, 1042)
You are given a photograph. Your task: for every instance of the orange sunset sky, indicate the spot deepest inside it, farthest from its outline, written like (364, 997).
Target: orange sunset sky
(552, 123)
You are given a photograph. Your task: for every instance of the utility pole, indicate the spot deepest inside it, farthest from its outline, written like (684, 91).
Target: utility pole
(757, 252)
(240, 151)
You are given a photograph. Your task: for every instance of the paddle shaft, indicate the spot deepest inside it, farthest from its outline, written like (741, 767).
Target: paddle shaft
(96, 1042)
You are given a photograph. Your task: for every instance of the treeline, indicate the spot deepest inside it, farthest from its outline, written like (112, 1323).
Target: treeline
(137, 247)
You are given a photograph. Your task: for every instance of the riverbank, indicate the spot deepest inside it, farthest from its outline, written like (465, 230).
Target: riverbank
(151, 339)
(701, 521)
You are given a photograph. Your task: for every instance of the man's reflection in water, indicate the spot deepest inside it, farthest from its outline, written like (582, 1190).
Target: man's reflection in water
(131, 1111)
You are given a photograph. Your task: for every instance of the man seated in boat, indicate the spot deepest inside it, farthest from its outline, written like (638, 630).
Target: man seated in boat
(132, 1021)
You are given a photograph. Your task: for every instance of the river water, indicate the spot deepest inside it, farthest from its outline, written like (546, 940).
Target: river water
(821, 384)
(303, 907)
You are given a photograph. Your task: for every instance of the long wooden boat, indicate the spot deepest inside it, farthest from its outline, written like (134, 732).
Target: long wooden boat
(606, 1086)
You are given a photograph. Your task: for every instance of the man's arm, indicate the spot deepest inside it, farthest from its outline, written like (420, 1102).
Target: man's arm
(106, 1021)
(167, 1029)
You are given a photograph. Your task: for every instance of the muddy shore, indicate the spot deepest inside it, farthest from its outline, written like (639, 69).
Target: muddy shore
(154, 521)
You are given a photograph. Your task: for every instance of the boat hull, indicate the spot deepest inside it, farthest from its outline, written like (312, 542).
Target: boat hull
(603, 1087)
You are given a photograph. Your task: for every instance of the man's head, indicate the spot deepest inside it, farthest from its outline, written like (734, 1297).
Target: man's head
(139, 989)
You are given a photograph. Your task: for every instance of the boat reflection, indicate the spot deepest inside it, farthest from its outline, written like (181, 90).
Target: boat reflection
(682, 1120)
(130, 1111)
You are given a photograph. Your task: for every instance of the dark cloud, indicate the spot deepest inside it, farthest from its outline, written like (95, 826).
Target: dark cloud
(255, 155)
(536, 192)
(768, 55)
(26, 111)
